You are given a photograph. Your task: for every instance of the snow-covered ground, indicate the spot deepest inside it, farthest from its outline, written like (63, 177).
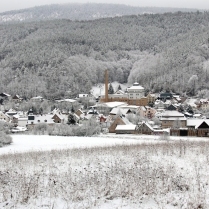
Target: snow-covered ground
(24, 143)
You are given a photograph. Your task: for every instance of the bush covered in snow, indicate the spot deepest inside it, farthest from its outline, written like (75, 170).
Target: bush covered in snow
(88, 128)
(5, 139)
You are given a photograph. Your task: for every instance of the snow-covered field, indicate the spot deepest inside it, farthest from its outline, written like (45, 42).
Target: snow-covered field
(108, 171)
(24, 143)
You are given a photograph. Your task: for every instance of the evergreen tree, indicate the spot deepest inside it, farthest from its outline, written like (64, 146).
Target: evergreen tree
(110, 90)
(190, 110)
(71, 120)
(119, 87)
(181, 108)
(72, 109)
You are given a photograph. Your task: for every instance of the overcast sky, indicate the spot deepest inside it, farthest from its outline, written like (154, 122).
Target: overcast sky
(7, 5)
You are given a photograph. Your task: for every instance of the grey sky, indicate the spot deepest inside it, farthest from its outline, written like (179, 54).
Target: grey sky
(7, 5)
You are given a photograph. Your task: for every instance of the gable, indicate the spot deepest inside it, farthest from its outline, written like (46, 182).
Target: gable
(144, 127)
(171, 107)
(203, 125)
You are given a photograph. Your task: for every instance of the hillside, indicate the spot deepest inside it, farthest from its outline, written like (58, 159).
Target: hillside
(88, 11)
(160, 51)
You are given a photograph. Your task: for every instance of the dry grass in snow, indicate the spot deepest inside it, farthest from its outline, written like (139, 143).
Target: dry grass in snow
(165, 175)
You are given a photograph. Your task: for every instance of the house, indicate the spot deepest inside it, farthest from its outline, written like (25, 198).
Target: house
(79, 112)
(195, 127)
(125, 129)
(16, 98)
(22, 121)
(144, 128)
(39, 119)
(58, 118)
(151, 98)
(119, 121)
(198, 127)
(204, 104)
(4, 117)
(147, 112)
(159, 104)
(102, 119)
(165, 96)
(136, 91)
(169, 118)
(3, 97)
(83, 95)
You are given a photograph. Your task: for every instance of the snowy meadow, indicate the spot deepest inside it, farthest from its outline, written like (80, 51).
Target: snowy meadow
(169, 174)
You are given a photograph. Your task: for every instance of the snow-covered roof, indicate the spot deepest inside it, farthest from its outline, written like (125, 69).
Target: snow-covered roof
(118, 111)
(148, 125)
(173, 118)
(167, 102)
(197, 115)
(203, 100)
(126, 121)
(191, 102)
(126, 127)
(196, 122)
(115, 111)
(187, 113)
(11, 112)
(6, 94)
(67, 100)
(172, 113)
(119, 92)
(38, 97)
(114, 104)
(136, 86)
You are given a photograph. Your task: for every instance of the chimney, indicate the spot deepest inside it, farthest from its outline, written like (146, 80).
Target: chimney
(106, 85)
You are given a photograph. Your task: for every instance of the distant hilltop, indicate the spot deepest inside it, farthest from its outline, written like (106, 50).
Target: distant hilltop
(89, 11)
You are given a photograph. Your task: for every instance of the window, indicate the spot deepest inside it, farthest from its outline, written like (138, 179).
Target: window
(39, 121)
(45, 120)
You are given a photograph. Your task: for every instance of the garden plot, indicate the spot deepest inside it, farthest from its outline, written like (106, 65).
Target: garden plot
(146, 175)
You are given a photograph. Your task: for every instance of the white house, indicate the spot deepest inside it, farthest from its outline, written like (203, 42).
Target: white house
(136, 91)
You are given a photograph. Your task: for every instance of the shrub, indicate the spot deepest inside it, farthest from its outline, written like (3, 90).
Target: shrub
(40, 129)
(5, 139)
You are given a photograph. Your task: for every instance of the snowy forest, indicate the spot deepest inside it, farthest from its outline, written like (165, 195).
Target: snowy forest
(76, 11)
(60, 58)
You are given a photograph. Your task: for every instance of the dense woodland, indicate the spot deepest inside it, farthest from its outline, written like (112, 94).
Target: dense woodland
(59, 58)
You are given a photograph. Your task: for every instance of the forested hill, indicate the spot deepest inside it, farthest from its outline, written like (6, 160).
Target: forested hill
(62, 57)
(88, 11)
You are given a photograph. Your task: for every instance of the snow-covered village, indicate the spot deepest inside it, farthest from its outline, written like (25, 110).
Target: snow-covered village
(112, 108)
(104, 105)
